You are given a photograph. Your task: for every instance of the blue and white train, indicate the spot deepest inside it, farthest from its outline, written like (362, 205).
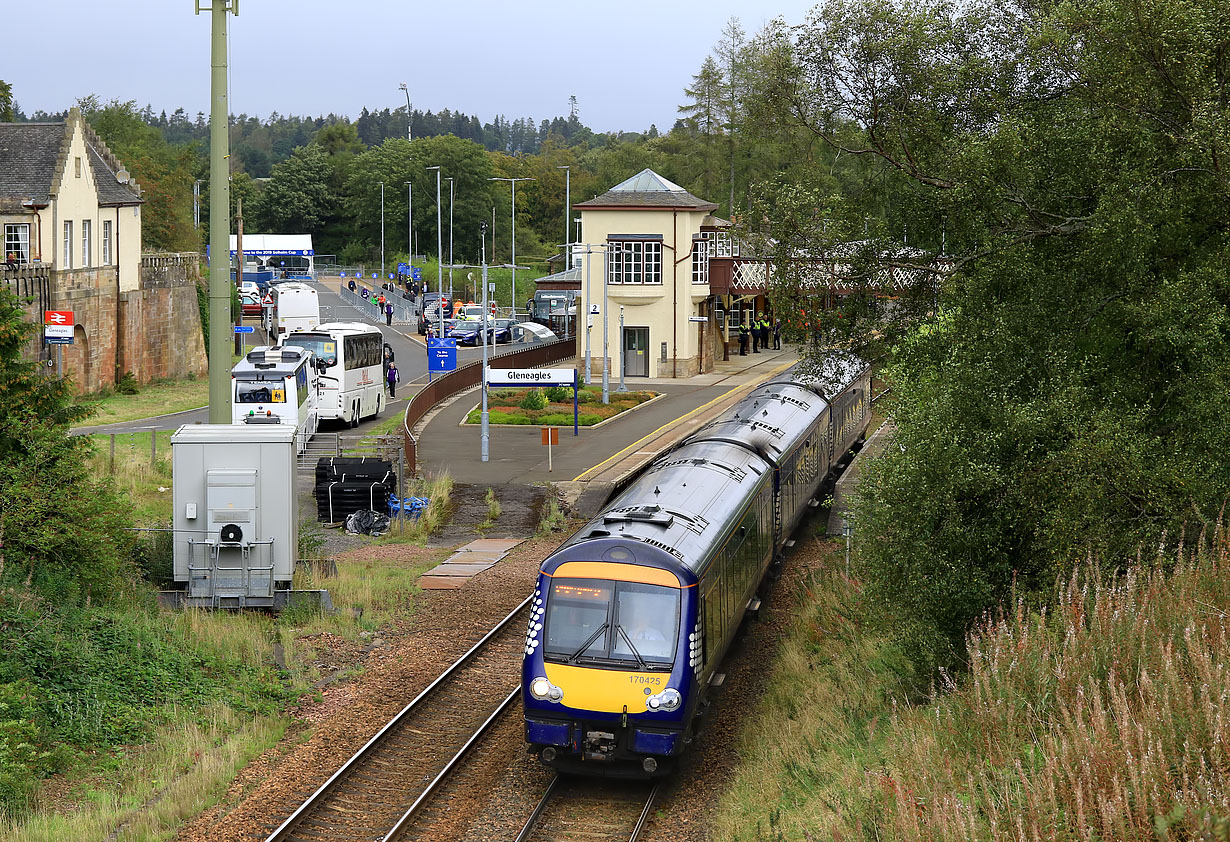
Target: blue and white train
(633, 614)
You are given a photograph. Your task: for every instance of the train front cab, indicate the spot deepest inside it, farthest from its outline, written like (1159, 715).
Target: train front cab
(608, 687)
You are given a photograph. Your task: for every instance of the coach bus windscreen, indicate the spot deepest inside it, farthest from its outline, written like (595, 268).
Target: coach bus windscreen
(324, 348)
(621, 624)
(260, 391)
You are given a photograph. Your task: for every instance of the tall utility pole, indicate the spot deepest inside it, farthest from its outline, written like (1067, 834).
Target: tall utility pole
(219, 218)
(409, 113)
(382, 271)
(513, 182)
(567, 213)
(239, 270)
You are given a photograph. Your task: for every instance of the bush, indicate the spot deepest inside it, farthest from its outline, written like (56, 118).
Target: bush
(153, 555)
(555, 419)
(534, 400)
(558, 394)
(127, 385)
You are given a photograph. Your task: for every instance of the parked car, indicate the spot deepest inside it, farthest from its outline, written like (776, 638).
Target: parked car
(251, 304)
(250, 287)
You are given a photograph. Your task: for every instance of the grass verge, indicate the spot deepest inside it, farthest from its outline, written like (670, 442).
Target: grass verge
(142, 472)
(151, 790)
(1101, 717)
(159, 398)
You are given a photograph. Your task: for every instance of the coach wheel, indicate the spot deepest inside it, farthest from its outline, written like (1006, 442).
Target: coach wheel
(354, 416)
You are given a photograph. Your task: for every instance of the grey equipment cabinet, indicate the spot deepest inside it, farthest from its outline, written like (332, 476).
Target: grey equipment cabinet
(236, 515)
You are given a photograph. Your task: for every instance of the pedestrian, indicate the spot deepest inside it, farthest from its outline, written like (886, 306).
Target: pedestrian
(364, 292)
(777, 334)
(388, 313)
(351, 285)
(764, 332)
(756, 334)
(742, 339)
(391, 379)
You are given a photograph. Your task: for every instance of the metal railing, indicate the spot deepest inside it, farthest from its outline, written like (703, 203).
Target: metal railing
(470, 375)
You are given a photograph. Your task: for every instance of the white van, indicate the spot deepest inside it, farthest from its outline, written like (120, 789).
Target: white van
(292, 307)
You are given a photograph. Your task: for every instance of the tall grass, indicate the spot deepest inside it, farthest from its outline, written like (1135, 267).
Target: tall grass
(1103, 717)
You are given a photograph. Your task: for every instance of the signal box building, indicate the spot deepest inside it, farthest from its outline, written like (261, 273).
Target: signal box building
(651, 241)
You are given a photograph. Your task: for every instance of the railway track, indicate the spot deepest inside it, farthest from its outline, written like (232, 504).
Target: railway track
(585, 808)
(378, 791)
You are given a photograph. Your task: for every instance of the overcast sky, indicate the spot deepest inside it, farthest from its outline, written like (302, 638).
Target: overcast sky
(626, 62)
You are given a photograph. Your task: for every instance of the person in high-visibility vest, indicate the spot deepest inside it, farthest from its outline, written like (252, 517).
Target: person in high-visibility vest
(763, 325)
(742, 339)
(756, 334)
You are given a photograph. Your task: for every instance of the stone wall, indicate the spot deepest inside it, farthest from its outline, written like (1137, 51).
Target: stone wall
(161, 322)
(153, 331)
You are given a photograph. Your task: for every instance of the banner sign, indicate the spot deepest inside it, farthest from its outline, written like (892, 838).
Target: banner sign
(531, 377)
(276, 252)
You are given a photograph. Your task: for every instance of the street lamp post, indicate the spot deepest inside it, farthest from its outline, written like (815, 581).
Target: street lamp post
(382, 231)
(606, 356)
(567, 213)
(410, 220)
(485, 434)
(514, 181)
(409, 114)
(439, 251)
(451, 196)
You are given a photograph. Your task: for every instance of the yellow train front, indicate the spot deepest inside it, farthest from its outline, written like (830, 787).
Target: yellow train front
(611, 657)
(633, 614)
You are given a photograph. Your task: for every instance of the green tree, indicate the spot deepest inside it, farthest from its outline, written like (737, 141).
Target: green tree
(63, 531)
(6, 102)
(297, 197)
(165, 172)
(1060, 401)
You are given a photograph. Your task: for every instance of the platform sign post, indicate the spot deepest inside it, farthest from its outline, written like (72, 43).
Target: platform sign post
(550, 436)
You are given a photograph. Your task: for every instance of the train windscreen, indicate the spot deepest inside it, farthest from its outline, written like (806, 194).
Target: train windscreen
(621, 624)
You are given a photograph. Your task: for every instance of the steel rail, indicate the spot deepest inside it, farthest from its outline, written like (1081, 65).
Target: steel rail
(380, 735)
(539, 810)
(447, 770)
(532, 822)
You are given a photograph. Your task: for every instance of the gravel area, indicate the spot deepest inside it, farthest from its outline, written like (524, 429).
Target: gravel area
(329, 730)
(500, 787)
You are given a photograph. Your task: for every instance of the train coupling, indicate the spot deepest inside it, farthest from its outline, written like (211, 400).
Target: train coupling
(599, 745)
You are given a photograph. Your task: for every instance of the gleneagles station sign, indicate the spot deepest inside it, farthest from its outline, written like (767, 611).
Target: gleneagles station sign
(504, 377)
(531, 377)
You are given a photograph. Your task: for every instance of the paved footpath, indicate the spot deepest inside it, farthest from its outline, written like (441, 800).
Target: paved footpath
(601, 455)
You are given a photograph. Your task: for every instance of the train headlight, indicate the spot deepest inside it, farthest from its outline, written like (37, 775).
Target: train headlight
(668, 699)
(544, 690)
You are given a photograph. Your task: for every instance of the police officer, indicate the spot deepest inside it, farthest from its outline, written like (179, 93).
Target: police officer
(764, 331)
(756, 334)
(742, 338)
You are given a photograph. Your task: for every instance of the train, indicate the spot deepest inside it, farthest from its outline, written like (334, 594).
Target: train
(632, 615)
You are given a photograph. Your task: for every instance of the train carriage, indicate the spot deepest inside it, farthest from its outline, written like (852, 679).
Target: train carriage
(633, 614)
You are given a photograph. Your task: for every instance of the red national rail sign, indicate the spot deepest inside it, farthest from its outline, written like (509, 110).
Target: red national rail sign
(57, 317)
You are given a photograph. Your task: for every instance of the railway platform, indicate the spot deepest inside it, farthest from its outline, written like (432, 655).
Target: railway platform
(588, 466)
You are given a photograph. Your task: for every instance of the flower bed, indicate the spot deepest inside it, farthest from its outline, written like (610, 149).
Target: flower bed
(552, 406)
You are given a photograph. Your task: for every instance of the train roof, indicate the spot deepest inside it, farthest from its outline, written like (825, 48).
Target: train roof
(684, 503)
(772, 420)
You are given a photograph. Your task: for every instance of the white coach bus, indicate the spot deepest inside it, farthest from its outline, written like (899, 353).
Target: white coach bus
(292, 307)
(277, 386)
(349, 356)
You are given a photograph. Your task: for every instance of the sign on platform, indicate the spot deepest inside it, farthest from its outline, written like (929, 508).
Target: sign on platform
(550, 435)
(701, 319)
(531, 377)
(58, 317)
(441, 354)
(62, 333)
